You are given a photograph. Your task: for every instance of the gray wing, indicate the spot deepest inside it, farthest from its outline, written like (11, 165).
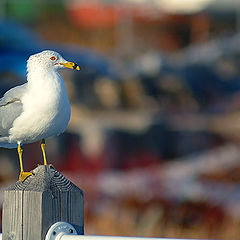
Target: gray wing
(10, 108)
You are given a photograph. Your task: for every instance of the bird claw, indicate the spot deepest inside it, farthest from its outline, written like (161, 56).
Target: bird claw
(24, 175)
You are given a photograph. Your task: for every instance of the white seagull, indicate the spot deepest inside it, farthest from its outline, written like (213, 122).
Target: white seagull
(37, 109)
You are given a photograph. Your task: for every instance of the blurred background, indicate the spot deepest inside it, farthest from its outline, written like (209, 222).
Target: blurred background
(154, 134)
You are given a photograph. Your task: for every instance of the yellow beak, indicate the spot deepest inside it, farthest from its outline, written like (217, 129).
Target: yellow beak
(71, 65)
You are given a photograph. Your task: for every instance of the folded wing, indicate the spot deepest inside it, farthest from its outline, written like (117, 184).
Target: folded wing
(11, 107)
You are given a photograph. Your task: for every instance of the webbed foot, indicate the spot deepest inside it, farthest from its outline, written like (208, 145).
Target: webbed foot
(24, 175)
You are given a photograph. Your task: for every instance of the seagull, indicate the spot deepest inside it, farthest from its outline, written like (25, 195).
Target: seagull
(39, 108)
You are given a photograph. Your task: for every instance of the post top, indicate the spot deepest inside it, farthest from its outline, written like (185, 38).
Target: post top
(45, 177)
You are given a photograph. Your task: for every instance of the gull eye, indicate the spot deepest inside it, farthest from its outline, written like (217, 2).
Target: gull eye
(53, 58)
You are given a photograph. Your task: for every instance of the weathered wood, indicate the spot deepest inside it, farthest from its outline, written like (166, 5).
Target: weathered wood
(31, 207)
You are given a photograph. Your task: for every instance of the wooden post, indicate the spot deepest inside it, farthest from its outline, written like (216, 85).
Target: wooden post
(31, 207)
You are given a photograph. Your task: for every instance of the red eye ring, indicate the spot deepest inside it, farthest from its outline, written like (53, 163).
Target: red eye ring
(53, 58)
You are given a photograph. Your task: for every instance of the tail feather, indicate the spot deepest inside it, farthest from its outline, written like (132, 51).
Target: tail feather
(4, 142)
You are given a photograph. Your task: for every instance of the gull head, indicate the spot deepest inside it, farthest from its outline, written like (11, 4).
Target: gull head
(49, 60)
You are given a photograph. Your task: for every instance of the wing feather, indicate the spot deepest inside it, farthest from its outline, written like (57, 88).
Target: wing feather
(13, 95)
(10, 108)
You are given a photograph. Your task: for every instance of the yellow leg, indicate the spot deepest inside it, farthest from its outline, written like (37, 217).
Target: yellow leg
(23, 175)
(43, 151)
(20, 151)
